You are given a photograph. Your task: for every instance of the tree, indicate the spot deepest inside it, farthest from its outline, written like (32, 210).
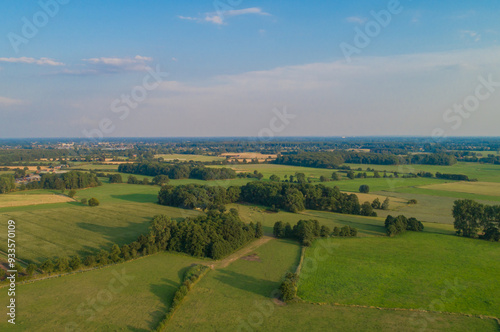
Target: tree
(259, 232)
(275, 178)
(132, 180)
(47, 266)
(301, 178)
(323, 178)
(62, 264)
(72, 193)
(468, 215)
(31, 269)
(367, 210)
(376, 203)
(145, 181)
(93, 202)
(75, 262)
(325, 231)
(279, 229)
(335, 176)
(351, 175)
(385, 205)
(161, 180)
(376, 175)
(115, 178)
(364, 189)
(83, 201)
(115, 253)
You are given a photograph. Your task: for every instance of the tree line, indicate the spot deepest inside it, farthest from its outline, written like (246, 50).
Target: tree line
(401, 224)
(476, 220)
(195, 196)
(69, 180)
(334, 159)
(179, 171)
(306, 231)
(7, 183)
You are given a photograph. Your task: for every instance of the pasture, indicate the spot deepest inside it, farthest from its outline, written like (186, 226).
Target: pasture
(98, 300)
(410, 271)
(477, 188)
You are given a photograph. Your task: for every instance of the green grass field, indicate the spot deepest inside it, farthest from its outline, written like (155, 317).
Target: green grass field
(239, 298)
(189, 157)
(416, 270)
(98, 301)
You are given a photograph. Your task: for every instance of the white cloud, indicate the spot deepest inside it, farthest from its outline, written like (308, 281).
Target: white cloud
(356, 19)
(4, 101)
(113, 65)
(470, 34)
(401, 95)
(41, 61)
(218, 18)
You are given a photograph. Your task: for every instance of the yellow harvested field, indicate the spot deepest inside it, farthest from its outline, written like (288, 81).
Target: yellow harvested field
(249, 155)
(478, 188)
(395, 202)
(23, 200)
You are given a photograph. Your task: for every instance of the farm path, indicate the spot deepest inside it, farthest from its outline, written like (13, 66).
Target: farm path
(241, 253)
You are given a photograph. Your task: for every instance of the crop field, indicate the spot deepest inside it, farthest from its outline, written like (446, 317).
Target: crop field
(188, 157)
(98, 300)
(23, 200)
(478, 188)
(66, 229)
(411, 271)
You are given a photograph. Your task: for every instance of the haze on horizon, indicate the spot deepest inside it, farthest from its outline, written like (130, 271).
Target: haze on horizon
(207, 68)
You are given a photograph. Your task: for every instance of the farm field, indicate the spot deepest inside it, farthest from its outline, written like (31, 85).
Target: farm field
(22, 200)
(99, 301)
(66, 229)
(478, 188)
(409, 271)
(482, 172)
(239, 298)
(188, 157)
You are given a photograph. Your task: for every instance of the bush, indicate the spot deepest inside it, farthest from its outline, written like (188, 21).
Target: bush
(83, 201)
(288, 287)
(72, 193)
(93, 202)
(364, 189)
(412, 201)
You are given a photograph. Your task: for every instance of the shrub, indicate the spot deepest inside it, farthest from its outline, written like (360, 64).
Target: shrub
(72, 193)
(93, 202)
(83, 201)
(365, 189)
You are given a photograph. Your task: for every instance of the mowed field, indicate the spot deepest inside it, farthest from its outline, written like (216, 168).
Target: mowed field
(415, 270)
(22, 200)
(133, 296)
(67, 229)
(188, 157)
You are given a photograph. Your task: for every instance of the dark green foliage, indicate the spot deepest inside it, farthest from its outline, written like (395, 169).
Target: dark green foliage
(259, 232)
(335, 176)
(367, 210)
(7, 183)
(161, 180)
(325, 231)
(72, 193)
(385, 205)
(70, 180)
(75, 263)
(288, 287)
(274, 178)
(472, 218)
(194, 196)
(364, 189)
(401, 224)
(47, 266)
(133, 180)
(412, 201)
(115, 178)
(83, 201)
(31, 269)
(455, 177)
(178, 171)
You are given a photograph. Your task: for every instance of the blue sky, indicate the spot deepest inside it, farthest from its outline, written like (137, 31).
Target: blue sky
(234, 65)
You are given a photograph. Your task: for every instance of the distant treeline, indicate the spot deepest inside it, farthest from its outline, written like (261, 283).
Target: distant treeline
(401, 224)
(178, 171)
(277, 195)
(70, 180)
(334, 159)
(306, 231)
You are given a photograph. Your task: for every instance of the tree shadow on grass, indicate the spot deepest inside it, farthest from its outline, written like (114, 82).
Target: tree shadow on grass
(138, 198)
(165, 292)
(247, 283)
(119, 235)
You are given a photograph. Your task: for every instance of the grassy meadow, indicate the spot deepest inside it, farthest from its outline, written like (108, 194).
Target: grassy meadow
(100, 301)
(411, 271)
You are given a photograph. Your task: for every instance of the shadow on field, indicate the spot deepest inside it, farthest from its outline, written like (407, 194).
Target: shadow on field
(246, 283)
(119, 235)
(165, 292)
(138, 198)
